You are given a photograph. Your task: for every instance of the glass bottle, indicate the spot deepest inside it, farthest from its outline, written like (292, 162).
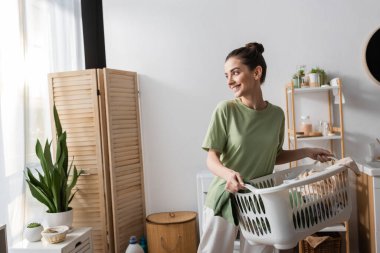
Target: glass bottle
(306, 126)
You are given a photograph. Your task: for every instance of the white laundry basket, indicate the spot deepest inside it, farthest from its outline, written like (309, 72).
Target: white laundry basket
(280, 209)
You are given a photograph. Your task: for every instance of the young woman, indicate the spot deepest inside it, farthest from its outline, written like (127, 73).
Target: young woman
(244, 141)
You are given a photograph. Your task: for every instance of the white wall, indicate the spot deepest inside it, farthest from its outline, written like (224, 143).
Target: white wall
(178, 49)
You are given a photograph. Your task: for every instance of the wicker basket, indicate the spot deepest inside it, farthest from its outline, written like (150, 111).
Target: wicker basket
(173, 232)
(55, 234)
(331, 245)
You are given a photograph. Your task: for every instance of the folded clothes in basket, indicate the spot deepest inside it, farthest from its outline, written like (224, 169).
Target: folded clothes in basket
(347, 162)
(329, 183)
(321, 189)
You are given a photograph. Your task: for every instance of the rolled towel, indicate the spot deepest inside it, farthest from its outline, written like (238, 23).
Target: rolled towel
(334, 82)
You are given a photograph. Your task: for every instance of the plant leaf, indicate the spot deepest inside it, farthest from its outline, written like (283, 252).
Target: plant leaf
(40, 155)
(71, 165)
(72, 196)
(62, 160)
(40, 196)
(38, 183)
(57, 122)
(66, 160)
(56, 188)
(47, 154)
(29, 175)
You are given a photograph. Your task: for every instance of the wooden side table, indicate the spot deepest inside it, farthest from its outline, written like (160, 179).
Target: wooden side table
(79, 240)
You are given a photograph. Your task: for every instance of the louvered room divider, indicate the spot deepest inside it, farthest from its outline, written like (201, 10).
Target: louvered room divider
(99, 109)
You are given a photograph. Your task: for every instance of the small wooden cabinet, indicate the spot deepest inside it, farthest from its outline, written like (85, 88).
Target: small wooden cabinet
(78, 241)
(368, 202)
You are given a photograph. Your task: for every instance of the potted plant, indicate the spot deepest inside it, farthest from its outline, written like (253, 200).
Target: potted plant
(32, 232)
(295, 81)
(54, 186)
(317, 77)
(298, 78)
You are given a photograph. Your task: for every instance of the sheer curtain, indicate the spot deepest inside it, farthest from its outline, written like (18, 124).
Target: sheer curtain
(41, 36)
(12, 141)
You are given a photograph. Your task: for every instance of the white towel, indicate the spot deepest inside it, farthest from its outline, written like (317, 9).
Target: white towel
(334, 82)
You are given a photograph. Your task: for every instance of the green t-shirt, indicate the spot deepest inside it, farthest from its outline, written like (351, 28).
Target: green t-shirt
(248, 141)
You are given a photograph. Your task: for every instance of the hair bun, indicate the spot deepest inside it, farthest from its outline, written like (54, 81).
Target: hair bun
(257, 46)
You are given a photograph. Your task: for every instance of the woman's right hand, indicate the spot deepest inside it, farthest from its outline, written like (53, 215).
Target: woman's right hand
(234, 181)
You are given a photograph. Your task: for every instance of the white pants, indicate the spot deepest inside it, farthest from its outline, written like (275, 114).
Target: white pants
(219, 236)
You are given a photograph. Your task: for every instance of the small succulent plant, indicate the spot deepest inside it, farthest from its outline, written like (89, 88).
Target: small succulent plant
(33, 225)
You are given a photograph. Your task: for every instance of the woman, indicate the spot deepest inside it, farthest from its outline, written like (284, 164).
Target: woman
(244, 141)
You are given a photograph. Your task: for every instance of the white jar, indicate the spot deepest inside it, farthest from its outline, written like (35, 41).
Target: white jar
(306, 126)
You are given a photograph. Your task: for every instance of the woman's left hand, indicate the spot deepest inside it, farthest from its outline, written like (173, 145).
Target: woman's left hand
(319, 154)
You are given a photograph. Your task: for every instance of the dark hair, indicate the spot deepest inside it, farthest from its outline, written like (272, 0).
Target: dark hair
(252, 56)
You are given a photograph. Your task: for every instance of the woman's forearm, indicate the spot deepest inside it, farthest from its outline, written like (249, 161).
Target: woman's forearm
(234, 181)
(287, 156)
(216, 167)
(318, 154)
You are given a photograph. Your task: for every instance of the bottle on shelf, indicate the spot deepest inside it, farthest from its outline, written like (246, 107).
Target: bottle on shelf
(324, 128)
(133, 246)
(306, 126)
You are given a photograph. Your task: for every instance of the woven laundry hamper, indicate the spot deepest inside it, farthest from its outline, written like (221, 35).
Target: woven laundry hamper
(172, 232)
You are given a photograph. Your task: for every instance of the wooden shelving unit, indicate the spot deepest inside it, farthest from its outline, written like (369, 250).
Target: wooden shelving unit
(338, 129)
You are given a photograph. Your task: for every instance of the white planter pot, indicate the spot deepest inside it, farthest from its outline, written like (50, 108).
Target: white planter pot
(58, 219)
(33, 234)
(314, 80)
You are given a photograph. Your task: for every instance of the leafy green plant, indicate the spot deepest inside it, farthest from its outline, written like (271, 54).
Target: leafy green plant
(299, 73)
(321, 72)
(53, 187)
(317, 70)
(33, 225)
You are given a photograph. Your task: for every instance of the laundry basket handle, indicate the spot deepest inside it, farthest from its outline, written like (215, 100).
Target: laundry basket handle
(250, 187)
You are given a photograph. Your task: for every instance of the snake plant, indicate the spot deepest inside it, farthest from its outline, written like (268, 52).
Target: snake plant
(54, 186)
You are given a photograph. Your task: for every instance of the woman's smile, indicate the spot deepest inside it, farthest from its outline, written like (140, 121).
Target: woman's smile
(235, 88)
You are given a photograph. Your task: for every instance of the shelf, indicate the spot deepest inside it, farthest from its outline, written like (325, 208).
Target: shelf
(312, 89)
(317, 138)
(293, 103)
(336, 228)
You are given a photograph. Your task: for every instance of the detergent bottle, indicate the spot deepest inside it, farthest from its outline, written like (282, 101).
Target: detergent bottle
(133, 246)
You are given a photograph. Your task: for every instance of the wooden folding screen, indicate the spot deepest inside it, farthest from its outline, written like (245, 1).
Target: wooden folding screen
(99, 109)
